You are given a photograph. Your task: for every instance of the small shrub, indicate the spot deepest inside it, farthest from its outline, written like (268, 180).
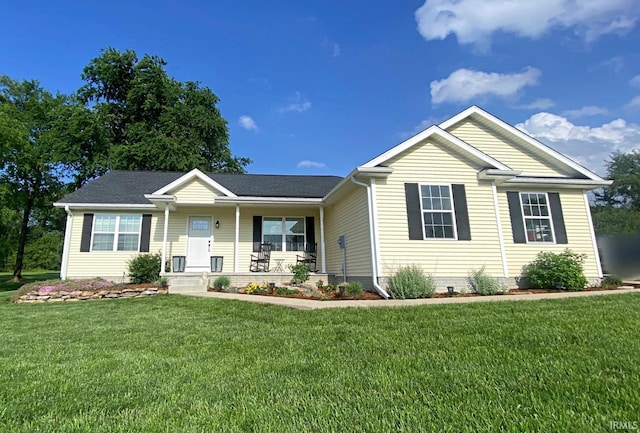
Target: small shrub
(353, 288)
(286, 291)
(483, 284)
(300, 273)
(145, 268)
(611, 281)
(411, 282)
(557, 271)
(221, 283)
(320, 284)
(163, 282)
(331, 288)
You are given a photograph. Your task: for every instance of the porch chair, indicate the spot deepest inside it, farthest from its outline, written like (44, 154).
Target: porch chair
(260, 261)
(310, 257)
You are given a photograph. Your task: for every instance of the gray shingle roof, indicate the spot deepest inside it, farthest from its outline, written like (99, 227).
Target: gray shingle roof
(129, 187)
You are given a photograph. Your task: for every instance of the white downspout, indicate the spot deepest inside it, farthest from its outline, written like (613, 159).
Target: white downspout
(237, 239)
(496, 209)
(322, 252)
(163, 266)
(374, 259)
(67, 242)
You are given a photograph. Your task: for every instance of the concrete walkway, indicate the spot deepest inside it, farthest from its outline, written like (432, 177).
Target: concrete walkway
(306, 304)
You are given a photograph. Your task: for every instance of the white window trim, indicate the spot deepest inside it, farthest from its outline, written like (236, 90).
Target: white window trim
(453, 212)
(524, 218)
(283, 233)
(116, 234)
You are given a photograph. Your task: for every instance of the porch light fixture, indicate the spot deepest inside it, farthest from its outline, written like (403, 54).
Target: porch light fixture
(217, 224)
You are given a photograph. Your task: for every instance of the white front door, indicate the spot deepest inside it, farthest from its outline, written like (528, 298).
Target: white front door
(199, 244)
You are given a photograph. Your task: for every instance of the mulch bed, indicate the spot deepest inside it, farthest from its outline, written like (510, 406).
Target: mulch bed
(334, 295)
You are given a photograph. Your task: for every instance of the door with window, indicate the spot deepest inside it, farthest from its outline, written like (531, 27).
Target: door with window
(199, 243)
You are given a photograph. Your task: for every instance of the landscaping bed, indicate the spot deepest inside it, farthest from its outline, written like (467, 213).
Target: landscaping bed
(83, 290)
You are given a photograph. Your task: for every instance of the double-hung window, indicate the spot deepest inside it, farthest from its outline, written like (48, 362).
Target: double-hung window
(437, 212)
(116, 232)
(537, 217)
(284, 233)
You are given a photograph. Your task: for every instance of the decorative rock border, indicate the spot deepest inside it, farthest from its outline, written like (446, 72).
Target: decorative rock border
(36, 296)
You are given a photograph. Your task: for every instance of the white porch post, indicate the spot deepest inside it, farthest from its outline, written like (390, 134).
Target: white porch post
(67, 241)
(163, 267)
(237, 240)
(324, 266)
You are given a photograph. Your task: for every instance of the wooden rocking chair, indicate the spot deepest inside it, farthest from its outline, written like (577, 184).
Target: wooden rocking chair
(310, 257)
(260, 261)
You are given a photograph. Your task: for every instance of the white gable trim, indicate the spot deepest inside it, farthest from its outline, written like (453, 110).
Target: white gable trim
(474, 110)
(435, 131)
(194, 174)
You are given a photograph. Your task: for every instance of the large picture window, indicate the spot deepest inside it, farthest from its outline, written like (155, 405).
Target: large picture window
(537, 217)
(116, 232)
(284, 233)
(437, 212)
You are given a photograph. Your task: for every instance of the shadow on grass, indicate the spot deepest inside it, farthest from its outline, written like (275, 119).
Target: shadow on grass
(27, 277)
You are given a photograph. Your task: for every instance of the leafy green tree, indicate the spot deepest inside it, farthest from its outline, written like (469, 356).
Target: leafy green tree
(152, 121)
(624, 170)
(29, 170)
(617, 208)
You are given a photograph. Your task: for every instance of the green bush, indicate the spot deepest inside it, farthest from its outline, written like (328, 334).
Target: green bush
(411, 282)
(300, 273)
(353, 288)
(611, 281)
(483, 284)
(145, 268)
(557, 271)
(284, 291)
(221, 283)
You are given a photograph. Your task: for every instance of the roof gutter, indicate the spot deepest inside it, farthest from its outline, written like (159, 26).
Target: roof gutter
(374, 245)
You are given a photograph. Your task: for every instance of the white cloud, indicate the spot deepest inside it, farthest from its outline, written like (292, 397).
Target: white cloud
(634, 103)
(475, 21)
(297, 103)
(588, 110)
(466, 84)
(590, 146)
(311, 164)
(336, 50)
(247, 123)
(635, 81)
(538, 104)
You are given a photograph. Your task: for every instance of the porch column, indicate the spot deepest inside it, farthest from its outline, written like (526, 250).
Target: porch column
(324, 266)
(163, 267)
(237, 241)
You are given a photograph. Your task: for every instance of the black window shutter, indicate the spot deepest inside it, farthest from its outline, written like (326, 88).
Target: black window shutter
(414, 217)
(87, 225)
(558, 219)
(257, 232)
(462, 212)
(515, 213)
(310, 223)
(146, 233)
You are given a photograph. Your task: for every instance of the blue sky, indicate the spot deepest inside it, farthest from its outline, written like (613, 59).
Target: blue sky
(319, 87)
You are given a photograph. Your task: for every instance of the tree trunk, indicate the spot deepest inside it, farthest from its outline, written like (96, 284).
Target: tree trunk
(24, 231)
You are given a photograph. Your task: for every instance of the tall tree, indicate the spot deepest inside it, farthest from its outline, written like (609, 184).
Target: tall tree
(29, 170)
(152, 121)
(624, 170)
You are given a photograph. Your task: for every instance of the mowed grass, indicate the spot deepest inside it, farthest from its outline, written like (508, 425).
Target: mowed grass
(179, 364)
(27, 277)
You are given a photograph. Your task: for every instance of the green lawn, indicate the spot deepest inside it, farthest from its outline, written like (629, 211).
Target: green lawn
(178, 364)
(28, 277)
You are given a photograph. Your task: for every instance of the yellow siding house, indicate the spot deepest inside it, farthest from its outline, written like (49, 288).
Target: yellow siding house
(470, 192)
